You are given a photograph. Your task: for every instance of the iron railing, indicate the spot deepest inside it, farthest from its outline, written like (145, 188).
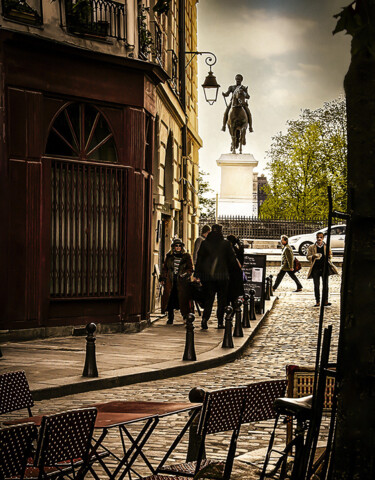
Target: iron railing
(158, 42)
(20, 11)
(96, 18)
(254, 227)
(174, 72)
(87, 230)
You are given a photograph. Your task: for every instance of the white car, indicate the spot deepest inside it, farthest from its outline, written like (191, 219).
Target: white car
(301, 243)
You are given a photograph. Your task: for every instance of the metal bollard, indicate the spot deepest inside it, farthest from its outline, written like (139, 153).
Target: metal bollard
(196, 395)
(245, 317)
(271, 286)
(267, 289)
(252, 305)
(238, 324)
(228, 340)
(90, 369)
(189, 353)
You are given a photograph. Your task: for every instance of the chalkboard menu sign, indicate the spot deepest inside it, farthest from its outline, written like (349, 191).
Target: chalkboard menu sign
(255, 270)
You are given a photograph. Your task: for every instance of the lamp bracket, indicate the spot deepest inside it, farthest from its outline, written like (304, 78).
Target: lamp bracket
(210, 60)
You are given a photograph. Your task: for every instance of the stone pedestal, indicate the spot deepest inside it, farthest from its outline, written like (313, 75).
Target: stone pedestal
(237, 193)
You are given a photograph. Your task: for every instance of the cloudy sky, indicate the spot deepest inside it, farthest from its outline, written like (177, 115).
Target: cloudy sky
(288, 57)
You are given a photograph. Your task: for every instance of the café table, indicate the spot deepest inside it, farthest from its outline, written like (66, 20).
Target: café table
(119, 415)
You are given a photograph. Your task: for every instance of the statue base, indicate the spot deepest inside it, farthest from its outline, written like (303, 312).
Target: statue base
(239, 183)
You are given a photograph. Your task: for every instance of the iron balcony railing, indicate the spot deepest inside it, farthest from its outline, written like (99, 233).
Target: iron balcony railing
(95, 18)
(158, 44)
(174, 76)
(20, 11)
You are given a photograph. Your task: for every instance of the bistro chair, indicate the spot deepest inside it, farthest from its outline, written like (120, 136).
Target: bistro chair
(15, 449)
(222, 411)
(64, 446)
(15, 392)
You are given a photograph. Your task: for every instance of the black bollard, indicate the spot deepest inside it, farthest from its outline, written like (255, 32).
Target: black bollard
(90, 369)
(238, 324)
(228, 340)
(189, 353)
(245, 317)
(271, 286)
(196, 395)
(267, 289)
(252, 305)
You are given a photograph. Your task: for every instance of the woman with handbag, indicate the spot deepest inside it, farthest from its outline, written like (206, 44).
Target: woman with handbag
(287, 265)
(175, 277)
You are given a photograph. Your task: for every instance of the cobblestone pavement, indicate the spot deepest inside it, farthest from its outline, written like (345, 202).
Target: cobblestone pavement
(288, 336)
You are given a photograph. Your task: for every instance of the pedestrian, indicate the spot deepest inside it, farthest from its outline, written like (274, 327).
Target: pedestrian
(175, 277)
(205, 231)
(238, 248)
(216, 259)
(236, 275)
(287, 265)
(316, 256)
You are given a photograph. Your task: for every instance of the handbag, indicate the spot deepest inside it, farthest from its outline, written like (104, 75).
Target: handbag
(296, 265)
(196, 293)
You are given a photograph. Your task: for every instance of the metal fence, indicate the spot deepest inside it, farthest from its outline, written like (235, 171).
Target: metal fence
(254, 227)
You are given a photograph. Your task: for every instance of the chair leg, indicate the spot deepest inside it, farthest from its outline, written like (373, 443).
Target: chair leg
(269, 450)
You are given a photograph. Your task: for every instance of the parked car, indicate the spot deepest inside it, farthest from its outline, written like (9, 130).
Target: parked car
(301, 243)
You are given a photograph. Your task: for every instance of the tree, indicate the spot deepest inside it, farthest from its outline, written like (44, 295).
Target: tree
(353, 452)
(304, 161)
(205, 199)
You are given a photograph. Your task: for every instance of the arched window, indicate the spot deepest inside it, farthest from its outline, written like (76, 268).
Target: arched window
(81, 131)
(88, 199)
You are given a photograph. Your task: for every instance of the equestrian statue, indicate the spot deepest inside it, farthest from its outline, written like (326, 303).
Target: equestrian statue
(237, 114)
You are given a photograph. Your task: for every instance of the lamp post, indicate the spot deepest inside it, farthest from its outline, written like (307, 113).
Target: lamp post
(210, 85)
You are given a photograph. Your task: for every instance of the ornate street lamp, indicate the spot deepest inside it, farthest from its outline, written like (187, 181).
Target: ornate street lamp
(210, 85)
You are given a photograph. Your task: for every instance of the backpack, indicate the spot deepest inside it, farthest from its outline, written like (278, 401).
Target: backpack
(296, 265)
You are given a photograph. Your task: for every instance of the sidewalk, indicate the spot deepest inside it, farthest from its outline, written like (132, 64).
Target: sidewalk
(54, 366)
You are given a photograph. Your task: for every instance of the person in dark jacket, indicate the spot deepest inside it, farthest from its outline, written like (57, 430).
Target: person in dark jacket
(216, 259)
(175, 277)
(236, 288)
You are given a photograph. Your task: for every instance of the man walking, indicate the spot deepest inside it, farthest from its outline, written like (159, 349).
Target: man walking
(216, 260)
(287, 265)
(316, 255)
(198, 242)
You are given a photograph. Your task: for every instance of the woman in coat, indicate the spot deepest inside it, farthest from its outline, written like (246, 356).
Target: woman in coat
(175, 276)
(316, 255)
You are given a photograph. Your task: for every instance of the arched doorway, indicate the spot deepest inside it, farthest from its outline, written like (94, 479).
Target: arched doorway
(88, 198)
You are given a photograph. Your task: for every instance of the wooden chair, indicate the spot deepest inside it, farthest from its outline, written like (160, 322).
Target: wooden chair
(222, 411)
(15, 449)
(15, 393)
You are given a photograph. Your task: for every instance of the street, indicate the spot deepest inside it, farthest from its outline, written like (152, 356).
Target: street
(287, 336)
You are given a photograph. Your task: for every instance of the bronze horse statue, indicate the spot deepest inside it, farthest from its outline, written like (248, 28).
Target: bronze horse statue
(237, 119)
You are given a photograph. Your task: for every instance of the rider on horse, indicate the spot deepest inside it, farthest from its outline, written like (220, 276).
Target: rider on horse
(231, 89)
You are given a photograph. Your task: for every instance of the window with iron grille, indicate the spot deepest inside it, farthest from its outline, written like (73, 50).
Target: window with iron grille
(88, 195)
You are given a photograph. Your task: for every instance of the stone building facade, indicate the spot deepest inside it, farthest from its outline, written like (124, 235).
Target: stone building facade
(91, 114)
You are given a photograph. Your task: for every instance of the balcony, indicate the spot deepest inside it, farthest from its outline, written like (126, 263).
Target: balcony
(174, 72)
(96, 18)
(20, 11)
(158, 45)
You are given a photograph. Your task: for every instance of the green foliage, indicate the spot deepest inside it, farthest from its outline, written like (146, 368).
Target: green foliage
(145, 37)
(304, 161)
(357, 20)
(205, 198)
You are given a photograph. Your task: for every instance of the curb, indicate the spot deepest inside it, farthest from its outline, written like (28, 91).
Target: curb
(215, 357)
